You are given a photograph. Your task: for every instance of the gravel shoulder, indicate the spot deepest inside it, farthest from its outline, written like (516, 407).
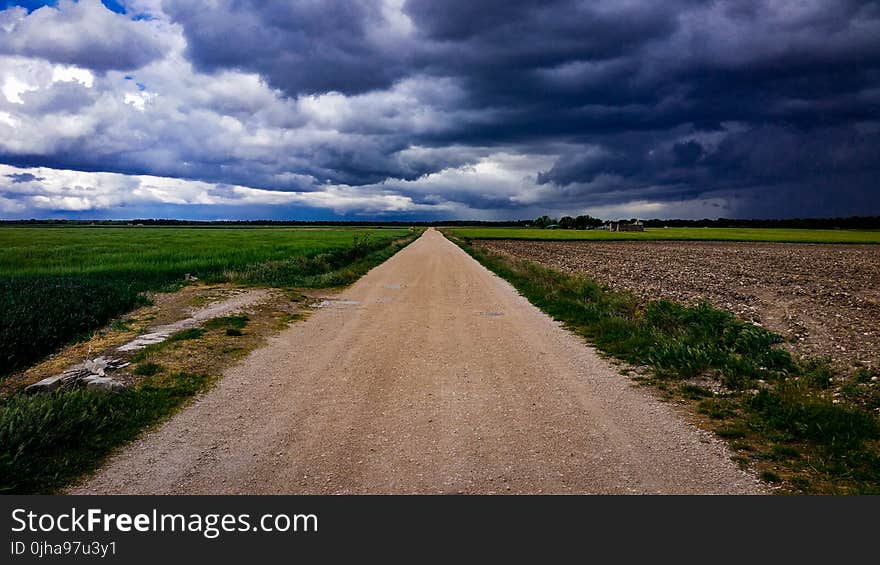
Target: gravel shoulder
(429, 375)
(824, 299)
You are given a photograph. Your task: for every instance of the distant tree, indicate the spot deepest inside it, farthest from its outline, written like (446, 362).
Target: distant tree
(566, 222)
(586, 222)
(544, 221)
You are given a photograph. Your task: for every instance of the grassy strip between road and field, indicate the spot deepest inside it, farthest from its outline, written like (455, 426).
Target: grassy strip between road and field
(776, 412)
(49, 439)
(59, 284)
(770, 235)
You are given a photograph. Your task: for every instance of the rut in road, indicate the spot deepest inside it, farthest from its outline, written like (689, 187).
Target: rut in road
(429, 375)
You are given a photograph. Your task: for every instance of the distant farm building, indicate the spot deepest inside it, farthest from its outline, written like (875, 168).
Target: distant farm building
(633, 225)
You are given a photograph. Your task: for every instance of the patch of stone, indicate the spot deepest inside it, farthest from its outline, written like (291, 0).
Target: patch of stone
(91, 373)
(151, 338)
(237, 303)
(106, 384)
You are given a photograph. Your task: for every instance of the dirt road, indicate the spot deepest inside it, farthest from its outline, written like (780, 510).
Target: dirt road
(430, 375)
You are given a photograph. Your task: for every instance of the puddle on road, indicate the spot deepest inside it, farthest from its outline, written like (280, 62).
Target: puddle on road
(391, 286)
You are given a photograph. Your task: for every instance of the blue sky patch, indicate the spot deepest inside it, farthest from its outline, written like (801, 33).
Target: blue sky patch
(32, 5)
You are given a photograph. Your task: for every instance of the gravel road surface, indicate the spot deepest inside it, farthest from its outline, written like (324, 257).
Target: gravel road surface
(429, 375)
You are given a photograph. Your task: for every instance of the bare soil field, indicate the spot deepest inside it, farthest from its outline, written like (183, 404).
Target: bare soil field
(824, 299)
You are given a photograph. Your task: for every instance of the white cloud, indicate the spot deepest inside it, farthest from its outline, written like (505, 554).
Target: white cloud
(71, 73)
(500, 179)
(11, 207)
(74, 191)
(13, 88)
(138, 99)
(83, 33)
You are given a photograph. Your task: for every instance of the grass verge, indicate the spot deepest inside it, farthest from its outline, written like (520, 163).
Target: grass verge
(48, 439)
(777, 412)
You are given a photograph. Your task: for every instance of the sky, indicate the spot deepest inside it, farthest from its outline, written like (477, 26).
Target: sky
(427, 110)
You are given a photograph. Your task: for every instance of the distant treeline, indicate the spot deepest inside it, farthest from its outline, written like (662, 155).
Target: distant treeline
(851, 223)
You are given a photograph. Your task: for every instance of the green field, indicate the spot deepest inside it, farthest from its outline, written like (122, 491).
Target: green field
(60, 283)
(678, 234)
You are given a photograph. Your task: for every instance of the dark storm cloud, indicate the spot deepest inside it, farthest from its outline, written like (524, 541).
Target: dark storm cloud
(760, 155)
(762, 171)
(569, 69)
(300, 46)
(18, 178)
(594, 63)
(65, 98)
(475, 38)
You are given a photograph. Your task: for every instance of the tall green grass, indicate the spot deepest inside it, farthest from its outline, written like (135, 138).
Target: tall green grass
(59, 284)
(39, 313)
(47, 439)
(780, 235)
